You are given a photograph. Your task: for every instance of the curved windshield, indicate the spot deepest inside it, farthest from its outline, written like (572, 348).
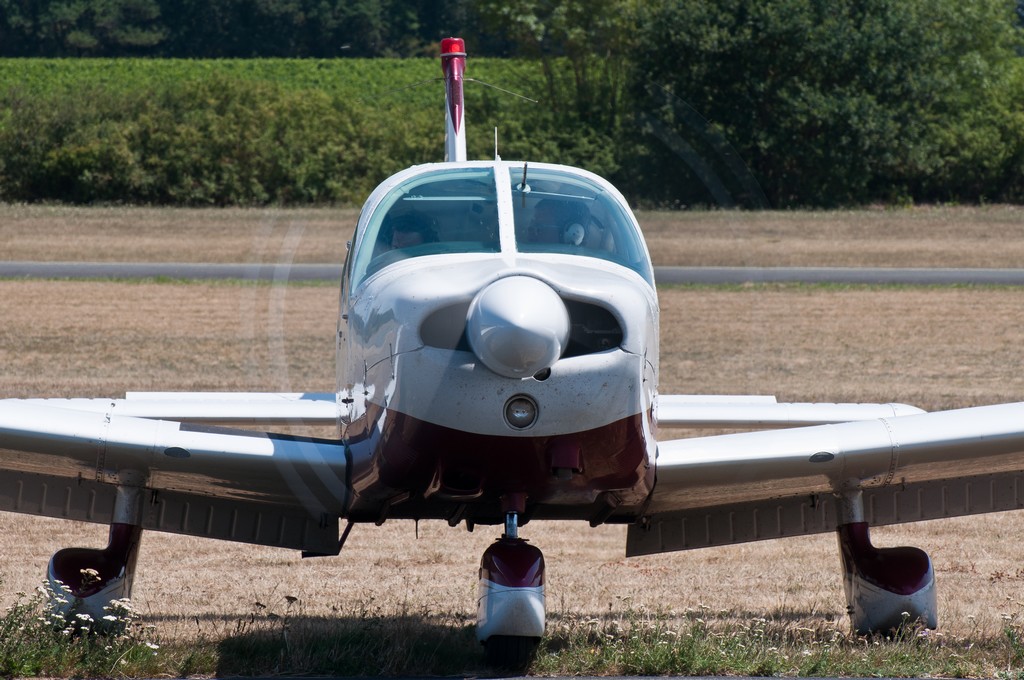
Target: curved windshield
(446, 211)
(560, 212)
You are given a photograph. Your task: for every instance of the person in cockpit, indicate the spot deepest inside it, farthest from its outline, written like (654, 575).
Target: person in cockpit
(557, 221)
(410, 229)
(568, 223)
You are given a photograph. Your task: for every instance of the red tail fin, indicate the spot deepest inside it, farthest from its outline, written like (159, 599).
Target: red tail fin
(453, 63)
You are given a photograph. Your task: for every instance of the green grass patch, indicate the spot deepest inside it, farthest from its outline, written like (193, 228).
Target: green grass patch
(642, 643)
(281, 640)
(37, 640)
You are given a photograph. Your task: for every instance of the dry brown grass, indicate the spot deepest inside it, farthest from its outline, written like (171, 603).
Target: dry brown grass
(911, 237)
(118, 234)
(100, 338)
(936, 347)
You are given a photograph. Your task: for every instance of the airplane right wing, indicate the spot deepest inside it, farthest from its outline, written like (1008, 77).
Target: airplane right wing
(760, 485)
(212, 408)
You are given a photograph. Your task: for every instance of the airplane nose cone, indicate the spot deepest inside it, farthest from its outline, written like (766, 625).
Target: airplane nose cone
(517, 326)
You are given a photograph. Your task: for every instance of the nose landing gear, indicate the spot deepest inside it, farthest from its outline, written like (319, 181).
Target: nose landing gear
(510, 606)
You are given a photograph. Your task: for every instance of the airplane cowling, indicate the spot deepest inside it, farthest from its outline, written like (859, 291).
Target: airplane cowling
(87, 580)
(886, 588)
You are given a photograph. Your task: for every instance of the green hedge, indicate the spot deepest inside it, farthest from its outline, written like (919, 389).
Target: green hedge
(252, 132)
(243, 131)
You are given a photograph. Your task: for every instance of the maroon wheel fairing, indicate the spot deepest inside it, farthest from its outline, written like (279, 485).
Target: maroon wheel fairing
(903, 570)
(514, 563)
(70, 564)
(886, 589)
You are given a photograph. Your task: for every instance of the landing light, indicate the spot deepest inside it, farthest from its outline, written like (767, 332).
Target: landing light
(520, 412)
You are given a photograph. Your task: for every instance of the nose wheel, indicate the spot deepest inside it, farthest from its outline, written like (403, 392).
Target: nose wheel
(511, 652)
(510, 606)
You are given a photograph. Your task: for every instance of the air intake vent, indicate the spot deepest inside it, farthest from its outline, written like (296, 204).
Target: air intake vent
(592, 329)
(445, 328)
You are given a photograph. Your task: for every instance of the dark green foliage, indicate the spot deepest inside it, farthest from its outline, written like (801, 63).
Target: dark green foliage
(228, 28)
(845, 102)
(80, 28)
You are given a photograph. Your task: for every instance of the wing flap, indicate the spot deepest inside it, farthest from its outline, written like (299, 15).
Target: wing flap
(181, 513)
(818, 513)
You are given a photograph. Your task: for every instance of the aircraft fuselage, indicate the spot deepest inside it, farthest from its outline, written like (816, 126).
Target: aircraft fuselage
(509, 352)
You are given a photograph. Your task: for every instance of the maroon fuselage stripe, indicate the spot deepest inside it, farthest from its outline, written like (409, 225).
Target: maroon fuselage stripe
(414, 453)
(437, 463)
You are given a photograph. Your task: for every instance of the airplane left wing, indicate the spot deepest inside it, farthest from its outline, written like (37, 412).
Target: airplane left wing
(769, 484)
(255, 487)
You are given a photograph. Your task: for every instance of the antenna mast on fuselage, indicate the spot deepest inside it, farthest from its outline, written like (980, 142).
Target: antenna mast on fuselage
(453, 64)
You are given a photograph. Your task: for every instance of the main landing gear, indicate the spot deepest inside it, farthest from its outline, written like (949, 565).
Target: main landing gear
(886, 588)
(510, 606)
(87, 580)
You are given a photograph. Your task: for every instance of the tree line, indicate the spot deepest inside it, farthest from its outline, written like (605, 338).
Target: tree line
(779, 103)
(208, 29)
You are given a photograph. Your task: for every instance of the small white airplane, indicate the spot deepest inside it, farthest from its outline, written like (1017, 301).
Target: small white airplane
(497, 363)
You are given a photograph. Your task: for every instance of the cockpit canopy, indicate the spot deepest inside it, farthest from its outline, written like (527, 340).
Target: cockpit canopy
(496, 207)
